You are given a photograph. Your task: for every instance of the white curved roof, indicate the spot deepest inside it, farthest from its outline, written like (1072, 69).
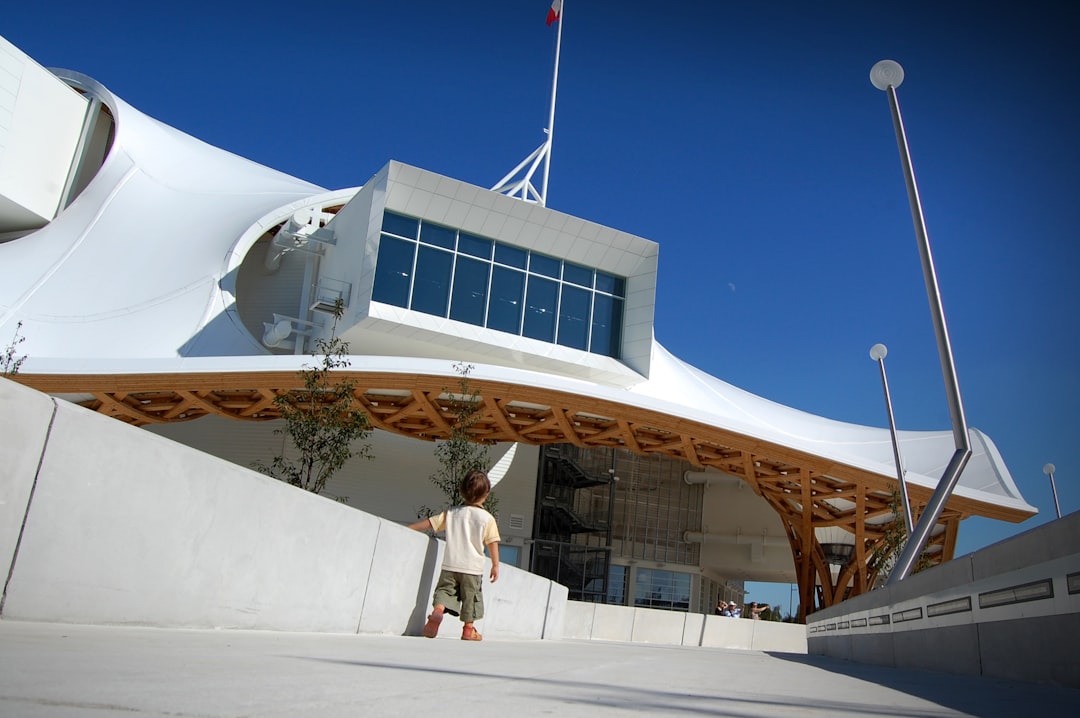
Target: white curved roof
(135, 277)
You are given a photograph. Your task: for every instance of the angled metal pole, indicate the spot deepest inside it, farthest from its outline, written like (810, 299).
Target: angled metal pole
(551, 115)
(878, 353)
(887, 75)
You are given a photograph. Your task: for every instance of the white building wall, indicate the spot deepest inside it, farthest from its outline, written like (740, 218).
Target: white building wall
(41, 121)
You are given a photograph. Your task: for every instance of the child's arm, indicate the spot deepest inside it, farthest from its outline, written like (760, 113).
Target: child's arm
(493, 549)
(421, 525)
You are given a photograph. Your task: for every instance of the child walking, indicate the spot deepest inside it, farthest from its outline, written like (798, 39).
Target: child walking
(468, 529)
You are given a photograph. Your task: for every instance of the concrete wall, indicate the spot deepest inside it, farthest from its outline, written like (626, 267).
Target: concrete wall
(1011, 610)
(393, 484)
(105, 523)
(597, 621)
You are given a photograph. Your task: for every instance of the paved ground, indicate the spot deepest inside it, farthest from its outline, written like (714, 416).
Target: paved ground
(93, 671)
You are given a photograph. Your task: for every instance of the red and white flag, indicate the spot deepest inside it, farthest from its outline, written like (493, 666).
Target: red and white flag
(554, 12)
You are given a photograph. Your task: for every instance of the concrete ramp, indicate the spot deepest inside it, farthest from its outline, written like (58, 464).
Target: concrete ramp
(103, 523)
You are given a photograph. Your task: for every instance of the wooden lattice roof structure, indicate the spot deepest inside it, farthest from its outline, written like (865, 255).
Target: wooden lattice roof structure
(807, 491)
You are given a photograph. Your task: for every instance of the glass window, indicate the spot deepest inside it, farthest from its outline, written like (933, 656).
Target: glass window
(574, 317)
(606, 325)
(611, 284)
(475, 246)
(510, 555)
(438, 235)
(469, 298)
(616, 587)
(577, 274)
(486, 283)
(393, 270)
(662, 589)
(401, 226)
(540, 309)
(542, 264)
(507, 293)
(431, 290)
(511, 256)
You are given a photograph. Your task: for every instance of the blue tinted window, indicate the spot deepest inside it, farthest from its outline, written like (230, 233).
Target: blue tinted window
(393, 270)
(662, 589)
(574, 317)
(610, 284)
(475, 246)
(577, 274)
(396, 224)
(507, 294)
(469, 298)
(606, 325)
(542, 264)
(511, 256)
(438, 235)
(509, 555)
(431, 290)
(508, 289)
(617, 585)
(540, 309)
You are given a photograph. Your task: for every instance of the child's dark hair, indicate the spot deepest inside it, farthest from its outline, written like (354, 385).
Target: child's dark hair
(475, 486)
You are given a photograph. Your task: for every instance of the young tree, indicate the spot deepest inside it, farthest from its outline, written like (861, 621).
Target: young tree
(885, 553)
(9, 361)
(460, 453)
(322, 421)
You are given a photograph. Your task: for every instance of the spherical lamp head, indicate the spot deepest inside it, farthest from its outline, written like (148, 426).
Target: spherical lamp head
(886, 73)
(878, 352)
(1049, 469)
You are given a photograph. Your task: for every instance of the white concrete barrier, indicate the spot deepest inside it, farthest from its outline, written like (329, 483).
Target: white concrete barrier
(1010, 611)
(595, 621)
(106, 523)
(24, 429)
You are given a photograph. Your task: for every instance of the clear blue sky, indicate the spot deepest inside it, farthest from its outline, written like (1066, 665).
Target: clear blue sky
(744, 137)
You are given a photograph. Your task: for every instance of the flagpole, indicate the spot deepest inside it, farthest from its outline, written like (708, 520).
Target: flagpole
(551, 116)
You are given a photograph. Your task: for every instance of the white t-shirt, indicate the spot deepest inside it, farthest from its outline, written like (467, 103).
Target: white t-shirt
(468, 530)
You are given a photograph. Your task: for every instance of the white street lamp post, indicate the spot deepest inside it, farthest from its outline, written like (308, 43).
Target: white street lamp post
(878, 353)
(1049, 471)
(887, 75)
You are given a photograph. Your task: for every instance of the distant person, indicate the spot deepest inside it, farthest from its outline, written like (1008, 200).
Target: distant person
(469, 529)
(721, 609)
(734, 611)
(756, 609)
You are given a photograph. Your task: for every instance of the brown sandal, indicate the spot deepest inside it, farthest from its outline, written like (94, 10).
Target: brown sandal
(469, 633)
(431, 628)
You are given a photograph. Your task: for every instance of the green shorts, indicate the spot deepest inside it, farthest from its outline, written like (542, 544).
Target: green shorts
(461, 594)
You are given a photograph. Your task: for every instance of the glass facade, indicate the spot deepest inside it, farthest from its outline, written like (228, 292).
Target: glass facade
(429, 268)
(656, 588)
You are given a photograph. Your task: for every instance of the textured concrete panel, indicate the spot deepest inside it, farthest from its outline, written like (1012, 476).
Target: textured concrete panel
(875, 648)
(127, 527)
(947, 576)
(516, 605)
(24, 424)
(399, 565)
(778, 637)
(693, 629)
(651, 625)
(557, 603)
(1052, 540)
(949, 649)
(1041, 650)
(613, 623)
(725, 632)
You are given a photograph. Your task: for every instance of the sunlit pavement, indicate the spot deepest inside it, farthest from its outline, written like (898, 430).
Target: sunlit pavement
(71, 670)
